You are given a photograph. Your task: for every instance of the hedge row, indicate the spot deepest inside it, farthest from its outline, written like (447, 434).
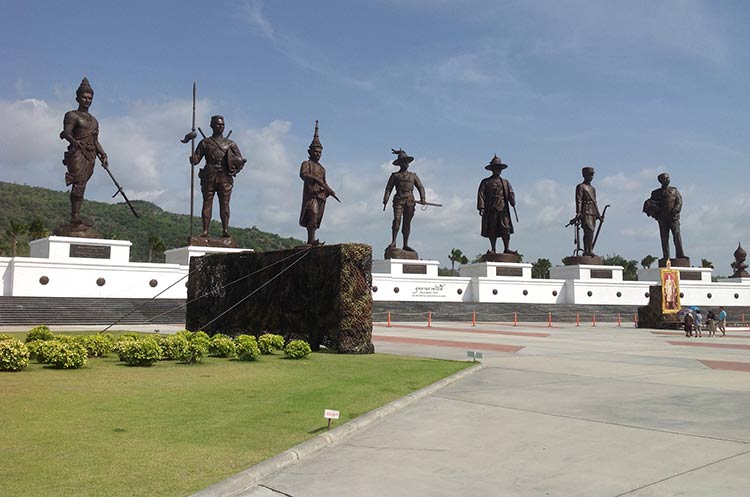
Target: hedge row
(135, 349)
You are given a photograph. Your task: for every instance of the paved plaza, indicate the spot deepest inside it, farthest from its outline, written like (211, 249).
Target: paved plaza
(561, 411)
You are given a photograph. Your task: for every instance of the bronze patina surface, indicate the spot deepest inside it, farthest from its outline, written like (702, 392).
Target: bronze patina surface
(495, 198)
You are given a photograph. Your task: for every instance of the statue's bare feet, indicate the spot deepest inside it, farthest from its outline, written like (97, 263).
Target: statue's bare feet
(491, 252)
(409, 249)
(226, 234)
(204, 234)
(392, 245)
(509, 251)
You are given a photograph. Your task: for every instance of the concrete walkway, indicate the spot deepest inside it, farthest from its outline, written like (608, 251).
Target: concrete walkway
(564, 411)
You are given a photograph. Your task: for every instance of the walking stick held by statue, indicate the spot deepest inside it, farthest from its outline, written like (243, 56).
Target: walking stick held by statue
(120, 191)
(599, 228)
(190, 137)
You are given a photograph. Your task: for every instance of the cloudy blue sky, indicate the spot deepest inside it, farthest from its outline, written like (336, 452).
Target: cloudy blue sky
(631, 88)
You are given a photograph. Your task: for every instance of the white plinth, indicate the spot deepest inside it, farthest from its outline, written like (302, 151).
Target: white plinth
(687, 274)
(497, 270)
(406, 267)
(182, 255)
(517, 290)
(71, 249)
(587, 272)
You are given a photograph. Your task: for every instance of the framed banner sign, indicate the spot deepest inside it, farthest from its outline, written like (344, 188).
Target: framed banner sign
(670, 291)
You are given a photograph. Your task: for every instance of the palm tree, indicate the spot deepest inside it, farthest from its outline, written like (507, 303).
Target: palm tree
(540, 269)
(647, 261)
(37, 229)
(457, 256)
(155, 245)
(15, 229)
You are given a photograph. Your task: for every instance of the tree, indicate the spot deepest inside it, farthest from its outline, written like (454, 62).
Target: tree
(707, 263)
(629, 268)
(155, 245)
(457, 256)
(15, 229)
(647, 261)
(540, 268)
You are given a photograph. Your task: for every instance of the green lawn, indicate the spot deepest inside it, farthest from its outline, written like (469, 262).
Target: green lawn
(172, 429)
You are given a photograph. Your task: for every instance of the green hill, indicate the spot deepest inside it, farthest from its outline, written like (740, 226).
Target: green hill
(26, 204)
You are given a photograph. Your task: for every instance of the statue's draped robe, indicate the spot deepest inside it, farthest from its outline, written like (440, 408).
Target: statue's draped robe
(495, 196)
(313, 193)
(81, 160)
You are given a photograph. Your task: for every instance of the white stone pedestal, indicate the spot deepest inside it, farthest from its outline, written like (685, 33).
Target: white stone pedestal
(687, 274)
(182, 255)
(69, 249)
(511, 282)
(497, 270)
(598, 284)
(416, 280)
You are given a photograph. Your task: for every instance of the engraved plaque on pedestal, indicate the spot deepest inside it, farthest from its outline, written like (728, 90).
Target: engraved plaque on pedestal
(90, 251)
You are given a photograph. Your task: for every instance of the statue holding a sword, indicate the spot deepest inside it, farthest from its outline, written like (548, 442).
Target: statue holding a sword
(81, 130)
(404, 182)
(495, 199)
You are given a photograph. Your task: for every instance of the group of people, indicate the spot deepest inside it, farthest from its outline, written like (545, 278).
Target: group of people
(693, 322)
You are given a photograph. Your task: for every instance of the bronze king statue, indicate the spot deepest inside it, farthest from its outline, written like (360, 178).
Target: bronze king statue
(404, 204)
(587, 214)
(223, 162)
(315, 190)
(665, 205)
(81, 130)
(495, 199)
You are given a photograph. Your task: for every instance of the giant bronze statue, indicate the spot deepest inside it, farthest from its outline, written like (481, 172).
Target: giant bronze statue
(315, 190)
(495, 199)
(223, 162)
(81, 130)
(665, 205)
(587, 214)
(404, 204)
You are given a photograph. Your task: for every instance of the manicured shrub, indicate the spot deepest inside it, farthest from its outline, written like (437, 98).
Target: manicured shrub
(269, 342)
(123, 343)
(222, 346)
(173, 347)
(33, 347)
(40, 332)
(97, 345)
(201, 334)
(131, 334)
(297, 349)
(247, 348)
(14, 356)
(5, 336)
(44, 350)
(66, 354)
(197, 349)
(139, 352)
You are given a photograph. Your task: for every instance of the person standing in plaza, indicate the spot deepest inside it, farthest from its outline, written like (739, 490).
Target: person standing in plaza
(722, 321)
(698, 323)
(688, 324)
(711, 323)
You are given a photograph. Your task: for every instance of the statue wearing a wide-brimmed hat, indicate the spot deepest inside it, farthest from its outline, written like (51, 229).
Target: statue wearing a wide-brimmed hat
(403, 203)
(495, 198)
